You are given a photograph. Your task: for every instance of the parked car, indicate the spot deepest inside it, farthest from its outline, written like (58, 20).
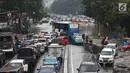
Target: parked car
(88, 67)
(107, 55)
(47, 69)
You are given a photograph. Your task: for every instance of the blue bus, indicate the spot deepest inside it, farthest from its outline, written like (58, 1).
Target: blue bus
(66, 26)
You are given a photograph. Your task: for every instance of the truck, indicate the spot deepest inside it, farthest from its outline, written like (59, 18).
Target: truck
(15, 66)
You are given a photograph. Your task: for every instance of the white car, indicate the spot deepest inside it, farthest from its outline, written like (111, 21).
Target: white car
(113, 46)
(107, 55)
(40, 46)
(18, 63)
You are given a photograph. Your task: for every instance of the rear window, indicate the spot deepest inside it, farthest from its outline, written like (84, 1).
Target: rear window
(25, 52)
(5, 38)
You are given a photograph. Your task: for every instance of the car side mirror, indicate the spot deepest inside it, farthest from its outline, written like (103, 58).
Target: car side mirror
(38, 69)
(78, 69)
(98, 70)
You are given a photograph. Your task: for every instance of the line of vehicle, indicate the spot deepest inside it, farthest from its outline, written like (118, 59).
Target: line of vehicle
(72, 66)
(10, 60)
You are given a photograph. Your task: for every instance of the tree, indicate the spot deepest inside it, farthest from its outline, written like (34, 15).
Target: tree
(28, 6)
(106, 11)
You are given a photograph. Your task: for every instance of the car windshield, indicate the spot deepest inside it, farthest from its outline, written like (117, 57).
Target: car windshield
(47, 70)
(88, 68)
(108, 46)
(41, 40)
(106, 53)
(15, 65)
(34, 37)
(50, 60)
(5, 38)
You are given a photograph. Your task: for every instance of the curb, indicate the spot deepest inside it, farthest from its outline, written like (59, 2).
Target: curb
(66, 61)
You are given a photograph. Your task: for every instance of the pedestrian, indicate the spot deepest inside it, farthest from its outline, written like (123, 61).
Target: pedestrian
(87, 39)
(46, 48)
(83, 36)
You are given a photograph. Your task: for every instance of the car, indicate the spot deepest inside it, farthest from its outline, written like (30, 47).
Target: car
(107, 55)
(113, 46)
(47, 69)
(40, 47)
(27, 43)
(29, 54)
(77, 39)
(50, 60)
(55, 34)
(35, 37)
(43, 41)
(2, 57)
(7, 43)
(49, 37)
(88, 67)
(15, 66)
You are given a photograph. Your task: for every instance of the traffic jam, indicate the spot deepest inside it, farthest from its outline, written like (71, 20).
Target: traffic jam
(22, 54)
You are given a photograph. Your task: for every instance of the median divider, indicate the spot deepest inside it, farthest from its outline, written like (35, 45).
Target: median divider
(66, 61)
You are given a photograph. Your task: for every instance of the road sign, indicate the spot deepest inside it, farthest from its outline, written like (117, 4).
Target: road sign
(122, 7)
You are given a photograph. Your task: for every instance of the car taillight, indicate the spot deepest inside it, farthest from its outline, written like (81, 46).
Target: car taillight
(7, 72)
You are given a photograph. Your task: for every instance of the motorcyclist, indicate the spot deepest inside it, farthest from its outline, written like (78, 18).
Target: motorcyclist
(83, 36)
(90, 42)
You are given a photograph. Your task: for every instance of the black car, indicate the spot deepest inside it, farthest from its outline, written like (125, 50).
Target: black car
(7, 43)
(28, 53)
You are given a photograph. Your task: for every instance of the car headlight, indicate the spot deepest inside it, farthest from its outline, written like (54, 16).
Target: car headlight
(100, 58)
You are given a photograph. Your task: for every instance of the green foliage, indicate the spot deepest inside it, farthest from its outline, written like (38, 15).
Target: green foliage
(28, 6)
(105, 11)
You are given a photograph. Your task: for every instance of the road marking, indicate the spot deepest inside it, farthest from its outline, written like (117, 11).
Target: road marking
(72, 66)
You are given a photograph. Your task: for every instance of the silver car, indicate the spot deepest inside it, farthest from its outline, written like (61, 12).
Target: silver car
(88, 67)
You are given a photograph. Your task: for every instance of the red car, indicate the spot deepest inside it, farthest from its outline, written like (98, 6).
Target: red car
(64, 40)
(126, 47)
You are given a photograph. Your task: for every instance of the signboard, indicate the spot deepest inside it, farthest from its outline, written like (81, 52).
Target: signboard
(73, 25)
(122, 7)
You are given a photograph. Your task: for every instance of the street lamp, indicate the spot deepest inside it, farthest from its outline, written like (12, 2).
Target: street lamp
(33, 16)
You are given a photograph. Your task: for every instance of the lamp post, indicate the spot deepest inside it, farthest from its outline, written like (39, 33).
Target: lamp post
(33, 16)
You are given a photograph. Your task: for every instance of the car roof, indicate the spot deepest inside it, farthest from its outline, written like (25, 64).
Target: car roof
(6, 34)
(17, 61)
(50, 57)
(47, 66)
(55, 45)
(89, 63)
(107, 49)
(111, 44)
